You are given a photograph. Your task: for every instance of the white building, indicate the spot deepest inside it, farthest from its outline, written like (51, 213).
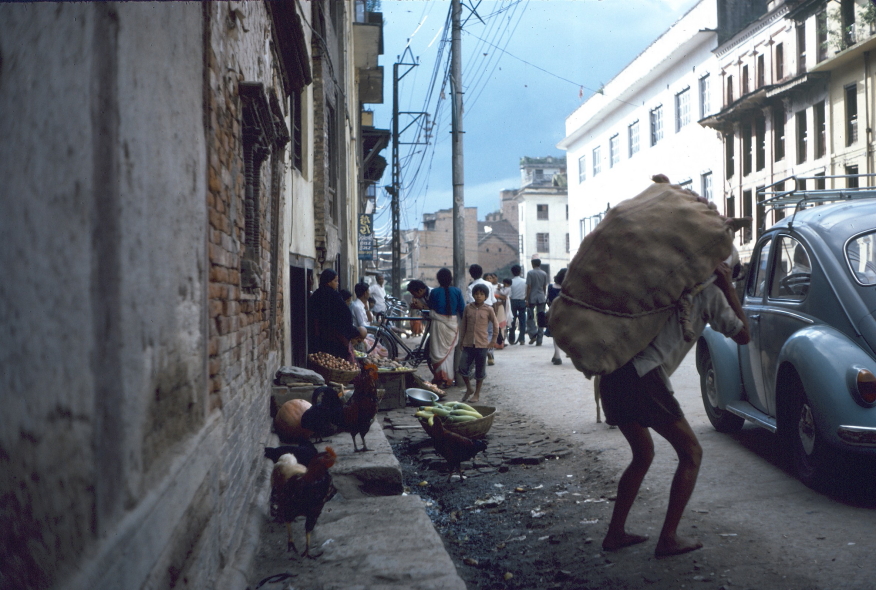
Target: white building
(644, 122)
(543, 213)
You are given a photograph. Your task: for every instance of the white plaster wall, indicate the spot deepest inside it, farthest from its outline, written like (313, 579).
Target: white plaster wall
(676, 60)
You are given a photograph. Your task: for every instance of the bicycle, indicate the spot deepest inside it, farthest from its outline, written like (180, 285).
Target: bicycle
(386, 336)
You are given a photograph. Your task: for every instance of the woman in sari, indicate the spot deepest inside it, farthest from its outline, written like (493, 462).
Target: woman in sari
(447, 305)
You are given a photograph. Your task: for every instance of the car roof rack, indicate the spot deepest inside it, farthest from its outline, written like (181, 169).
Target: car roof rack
(774, 196)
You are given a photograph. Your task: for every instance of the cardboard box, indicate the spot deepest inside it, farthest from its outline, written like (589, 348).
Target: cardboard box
(394, 384)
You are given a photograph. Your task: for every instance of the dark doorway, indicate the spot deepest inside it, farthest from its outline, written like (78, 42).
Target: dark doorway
(298, 295)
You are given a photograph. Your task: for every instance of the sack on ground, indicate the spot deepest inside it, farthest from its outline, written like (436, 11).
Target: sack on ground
(630, 272)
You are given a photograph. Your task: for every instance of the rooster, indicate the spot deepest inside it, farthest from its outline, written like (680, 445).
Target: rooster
(358, 413)
(455, 448)
(321, 418)
(297, 490)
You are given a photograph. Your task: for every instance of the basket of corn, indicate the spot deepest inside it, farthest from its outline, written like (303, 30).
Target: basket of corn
(333, 368)
(468, 421)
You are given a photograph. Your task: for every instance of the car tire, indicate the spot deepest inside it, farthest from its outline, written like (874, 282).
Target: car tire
(810, 457)
(722, 420)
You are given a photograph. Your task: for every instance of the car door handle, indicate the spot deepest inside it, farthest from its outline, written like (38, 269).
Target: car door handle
(754, 316)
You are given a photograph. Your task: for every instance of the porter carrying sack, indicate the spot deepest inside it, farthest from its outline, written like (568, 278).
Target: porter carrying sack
(630, 273)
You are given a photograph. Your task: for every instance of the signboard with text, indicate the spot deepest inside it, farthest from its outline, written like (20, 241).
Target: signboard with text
(366, 236)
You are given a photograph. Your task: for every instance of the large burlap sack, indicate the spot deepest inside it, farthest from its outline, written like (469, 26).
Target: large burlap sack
(630, 272)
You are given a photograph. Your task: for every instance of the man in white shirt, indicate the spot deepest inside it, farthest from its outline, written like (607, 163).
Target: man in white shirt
(477, 273)
(379, 294)
(358, 306)
(518, 305)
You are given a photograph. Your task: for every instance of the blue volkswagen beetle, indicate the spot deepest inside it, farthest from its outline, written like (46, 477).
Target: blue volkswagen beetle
(808, 372)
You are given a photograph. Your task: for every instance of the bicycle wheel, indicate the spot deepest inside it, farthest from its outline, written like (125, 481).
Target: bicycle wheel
(384, 339)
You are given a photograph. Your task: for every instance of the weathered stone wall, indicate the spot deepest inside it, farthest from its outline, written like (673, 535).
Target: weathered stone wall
(136, 371)
(436, 246)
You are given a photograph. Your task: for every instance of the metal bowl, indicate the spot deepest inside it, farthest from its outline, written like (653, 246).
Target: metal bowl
(421, 397)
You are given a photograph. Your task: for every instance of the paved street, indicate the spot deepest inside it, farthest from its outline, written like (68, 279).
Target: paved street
(747, 509)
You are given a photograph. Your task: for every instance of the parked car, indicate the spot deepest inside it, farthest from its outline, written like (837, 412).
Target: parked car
(808, 372)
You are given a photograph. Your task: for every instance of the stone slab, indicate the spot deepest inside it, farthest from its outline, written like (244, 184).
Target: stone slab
(375, 472)
(385, 543)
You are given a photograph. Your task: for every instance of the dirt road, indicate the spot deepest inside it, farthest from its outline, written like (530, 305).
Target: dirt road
(760, 527)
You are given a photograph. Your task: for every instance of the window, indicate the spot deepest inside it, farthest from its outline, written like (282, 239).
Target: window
(633, 132)
(820, 130)
(791, 270)
(759, 143)
(780, 61)
(851, 114)
(820, 183)
(801, 48)
(760, 211)
(729, 89)
(746, 212)
(821, 35)
(682, 109)
(731, 206)
(847, 10)
(757, 275)
(802, 136)
(778, 133)
(297, 155)
(852, 173)
(705, 99)
(861, 255)
(746, 148)
(542, 242)
(541, 212)
(761, 74)
(582, 169)
(656, 125)
(597, 160)
(744, 81)
(613, 150)
(568, 244)
(332, 149)
(729, 161)
(706, 186)
(686, 184)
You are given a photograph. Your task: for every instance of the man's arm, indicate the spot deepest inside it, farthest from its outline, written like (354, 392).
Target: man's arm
(724, 281)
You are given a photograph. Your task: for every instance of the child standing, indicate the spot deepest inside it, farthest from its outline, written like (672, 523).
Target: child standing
(476, 340)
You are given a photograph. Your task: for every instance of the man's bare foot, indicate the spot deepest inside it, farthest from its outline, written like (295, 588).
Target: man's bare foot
(612, 543)
(467, 395)
(676, 546)
(474, 400)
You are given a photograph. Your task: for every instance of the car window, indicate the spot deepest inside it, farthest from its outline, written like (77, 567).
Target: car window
(791, 270)
(757, 275)
(861, 254)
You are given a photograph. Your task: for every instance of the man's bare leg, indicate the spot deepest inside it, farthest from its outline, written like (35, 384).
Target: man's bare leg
(477, 394)
(468, 389)
(690, 454)
(642, 447)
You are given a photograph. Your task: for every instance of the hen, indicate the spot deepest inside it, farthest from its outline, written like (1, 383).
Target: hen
(303, 452)
(321, 418)
(297, 490)
(358, 413)
(455, 448)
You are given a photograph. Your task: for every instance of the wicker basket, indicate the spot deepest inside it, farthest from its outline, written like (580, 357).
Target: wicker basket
(335, 375)
(472, 428)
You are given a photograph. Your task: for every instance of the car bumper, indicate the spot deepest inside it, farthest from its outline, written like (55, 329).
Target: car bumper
(859, 436)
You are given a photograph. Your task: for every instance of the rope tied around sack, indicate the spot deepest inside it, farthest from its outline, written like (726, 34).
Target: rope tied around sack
(684, 306)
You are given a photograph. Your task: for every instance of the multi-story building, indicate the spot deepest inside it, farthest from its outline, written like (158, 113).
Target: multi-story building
(204, 166)
(435, 243)
(497, 245)
(644, 122)
(541, 204)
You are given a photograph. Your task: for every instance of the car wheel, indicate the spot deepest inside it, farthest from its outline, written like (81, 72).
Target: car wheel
(809, 456)
(722, 420)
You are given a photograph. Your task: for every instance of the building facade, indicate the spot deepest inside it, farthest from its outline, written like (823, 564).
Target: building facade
(644, 122)
(543, 213)
(160, 254)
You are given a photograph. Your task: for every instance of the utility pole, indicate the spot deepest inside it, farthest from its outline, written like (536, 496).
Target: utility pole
(395, 189)
(459, 270)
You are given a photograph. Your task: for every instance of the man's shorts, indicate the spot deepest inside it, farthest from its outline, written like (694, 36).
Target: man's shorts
(628, 398)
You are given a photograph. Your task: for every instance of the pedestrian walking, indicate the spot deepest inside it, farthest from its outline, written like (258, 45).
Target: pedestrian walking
(477, 340)
(447, 305)
(639, 396)
(536, 296)
(553, 293)
(518, 306)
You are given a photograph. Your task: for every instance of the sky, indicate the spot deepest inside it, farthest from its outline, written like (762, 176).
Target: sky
(526, 66)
